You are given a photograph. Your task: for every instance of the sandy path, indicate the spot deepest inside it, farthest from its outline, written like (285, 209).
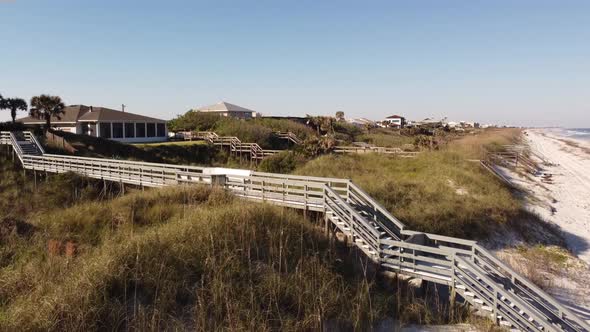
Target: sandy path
(569, 194)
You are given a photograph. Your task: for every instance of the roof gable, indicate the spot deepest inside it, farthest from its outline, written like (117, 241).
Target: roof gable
(71, 114)
(107, 114)
(223, 106)
(75, 113)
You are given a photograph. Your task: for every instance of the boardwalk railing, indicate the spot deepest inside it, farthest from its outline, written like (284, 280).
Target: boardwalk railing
(251, 150)
(374, 149)
(514, 157)
(472, 272)
(289, 136)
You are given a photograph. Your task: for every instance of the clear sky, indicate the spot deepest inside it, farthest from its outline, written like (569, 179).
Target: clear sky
(511, 62)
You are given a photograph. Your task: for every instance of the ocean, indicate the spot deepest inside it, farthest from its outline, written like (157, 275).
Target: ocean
(577, 133)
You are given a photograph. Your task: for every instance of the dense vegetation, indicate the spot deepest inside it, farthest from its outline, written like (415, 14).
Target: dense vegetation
(258, 130)
(180, 258)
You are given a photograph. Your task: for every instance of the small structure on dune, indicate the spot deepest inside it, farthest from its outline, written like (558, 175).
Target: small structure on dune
(394, 121)
(228, 110)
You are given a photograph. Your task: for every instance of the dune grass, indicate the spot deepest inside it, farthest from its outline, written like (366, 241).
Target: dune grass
(440, 192)
(183, 258)
(189, 257)
(437, 192)
(386, 138)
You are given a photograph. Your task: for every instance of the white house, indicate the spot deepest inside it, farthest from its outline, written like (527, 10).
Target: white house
(226, 109)
(361, 122)
(396, 121)
(106, 123)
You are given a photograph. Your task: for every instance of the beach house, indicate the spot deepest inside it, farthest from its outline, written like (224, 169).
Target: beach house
(106, 123)
(226, 109)
(396, 121)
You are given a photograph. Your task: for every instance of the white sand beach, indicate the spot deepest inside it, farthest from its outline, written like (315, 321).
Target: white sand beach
(563, 200)
(566, 200)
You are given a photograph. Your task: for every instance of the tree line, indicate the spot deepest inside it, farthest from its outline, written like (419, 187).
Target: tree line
(43, 107)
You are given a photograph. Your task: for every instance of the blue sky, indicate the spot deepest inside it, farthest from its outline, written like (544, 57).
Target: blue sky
(510, 62)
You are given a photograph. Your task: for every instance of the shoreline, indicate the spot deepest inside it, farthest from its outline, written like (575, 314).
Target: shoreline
(564, 201)
(567, 198)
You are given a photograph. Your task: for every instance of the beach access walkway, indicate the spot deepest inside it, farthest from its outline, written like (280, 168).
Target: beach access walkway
(469, 270)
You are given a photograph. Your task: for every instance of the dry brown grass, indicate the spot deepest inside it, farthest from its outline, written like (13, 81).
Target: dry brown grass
(190, 258)
(473, 146)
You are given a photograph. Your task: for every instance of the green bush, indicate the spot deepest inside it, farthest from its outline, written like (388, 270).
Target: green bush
(302, 131)
(284, 162)
(258, 130)
(346, 132)
(194, 121)
(247, 132)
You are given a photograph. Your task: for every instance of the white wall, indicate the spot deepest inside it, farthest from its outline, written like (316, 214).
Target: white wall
(72, 130)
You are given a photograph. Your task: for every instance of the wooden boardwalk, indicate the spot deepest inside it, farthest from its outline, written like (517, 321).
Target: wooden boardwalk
(471, 272)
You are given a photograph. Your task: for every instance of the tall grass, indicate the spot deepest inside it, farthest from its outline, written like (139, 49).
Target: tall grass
(440, 192)
(20, 194)
(474, 146)
(437, 192)
(387, 138)
(188, 258)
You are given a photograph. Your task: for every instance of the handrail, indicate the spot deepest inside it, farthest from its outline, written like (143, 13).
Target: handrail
(16, 147)
(429, 256)
(236, 145)
(540, 293)
(354, 188)
(33, 139)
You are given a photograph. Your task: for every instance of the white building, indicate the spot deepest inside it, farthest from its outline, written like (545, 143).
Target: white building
(361, 122)
(396, 121)
(227, 109)
(106, 123)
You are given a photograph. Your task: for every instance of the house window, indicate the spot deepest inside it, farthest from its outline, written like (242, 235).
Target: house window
(129, 130)
(105, 129)
(84, 128)
(117, 130)
(140, 130)
(161, 129)
(151, 130)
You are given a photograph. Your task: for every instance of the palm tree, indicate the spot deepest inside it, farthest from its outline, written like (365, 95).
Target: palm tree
(45, 106)
(2, 103)
(14, 105)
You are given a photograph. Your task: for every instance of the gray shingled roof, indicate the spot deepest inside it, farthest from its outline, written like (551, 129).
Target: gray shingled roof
(75, 113)
(70, 115)
(107, 114)
(223, 107)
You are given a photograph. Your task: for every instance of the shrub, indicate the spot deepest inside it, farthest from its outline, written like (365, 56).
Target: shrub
(302, 131)
(194, 121)
(284, 162)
